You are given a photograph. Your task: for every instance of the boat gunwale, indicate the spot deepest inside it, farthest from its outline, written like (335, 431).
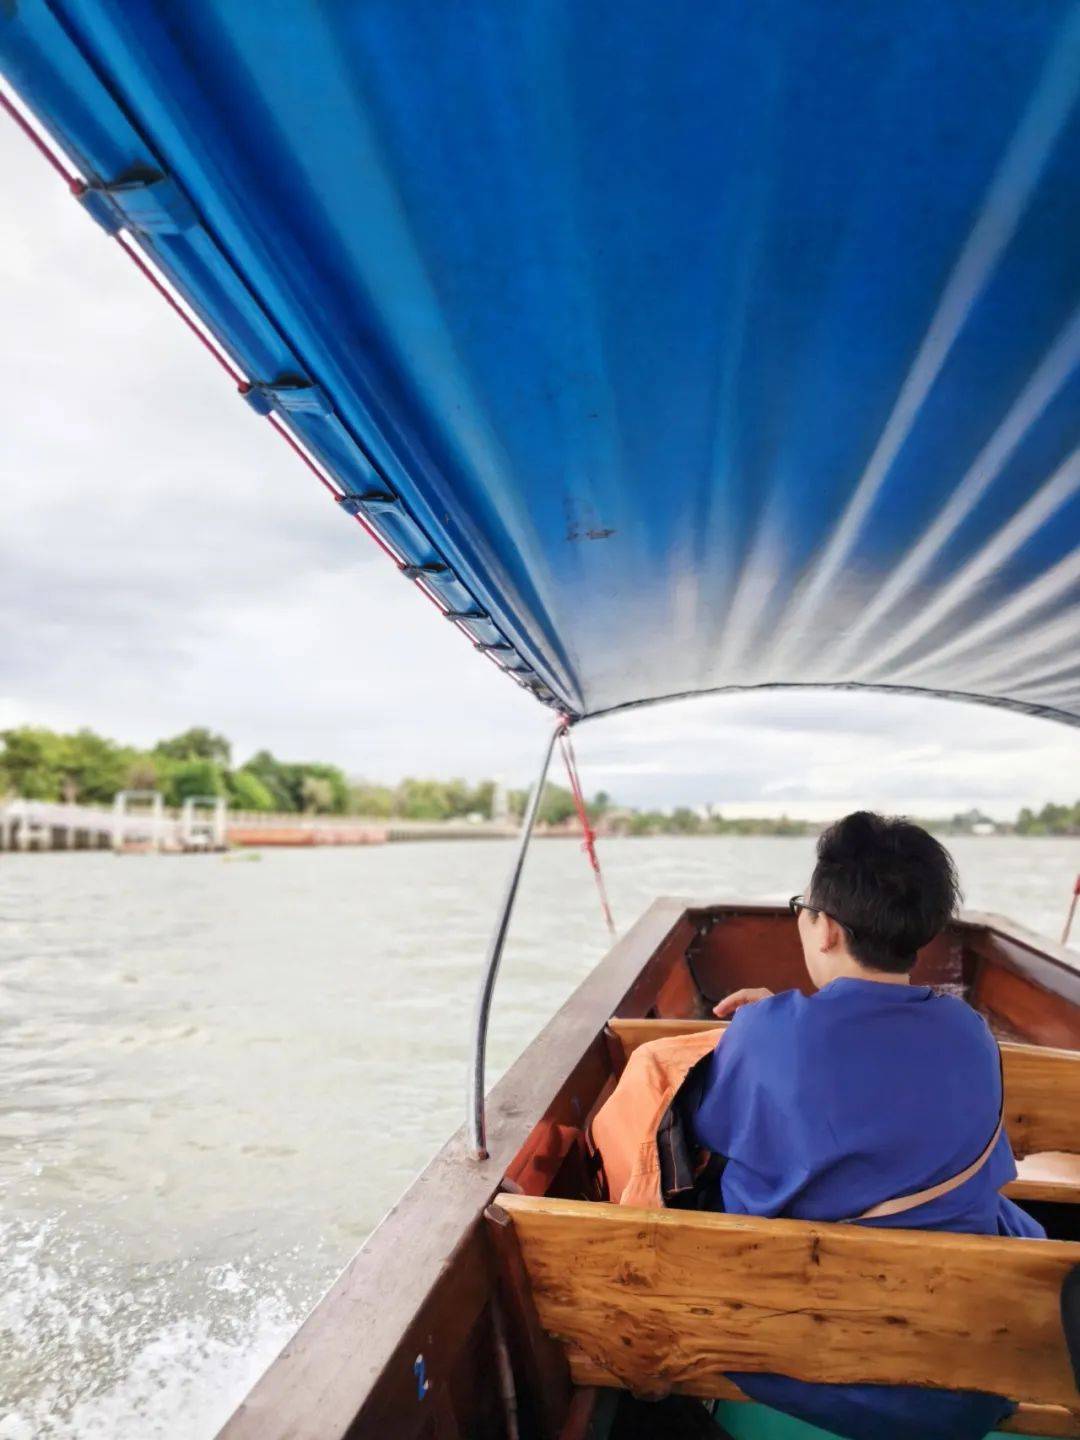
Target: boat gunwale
(351, 1362)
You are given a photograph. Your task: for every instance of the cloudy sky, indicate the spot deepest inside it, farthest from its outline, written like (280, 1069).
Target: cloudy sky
(164, 561)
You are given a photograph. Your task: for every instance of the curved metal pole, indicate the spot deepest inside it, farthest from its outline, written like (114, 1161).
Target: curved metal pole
(476, 1119)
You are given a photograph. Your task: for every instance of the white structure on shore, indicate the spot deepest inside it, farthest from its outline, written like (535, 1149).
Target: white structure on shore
(48, 825)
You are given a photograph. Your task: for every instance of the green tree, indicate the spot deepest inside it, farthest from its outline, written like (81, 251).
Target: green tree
(187, 778)
(482, 799)
(373, 801)
(422, 800)
(197, 743)
(556, 805)
(280, 780)
(42, 765)
(333, 789)
(1051, 820)
(247, 791)
(32, 761)
(646, 822)
(96, 768)
(144, 773)
(318, 795)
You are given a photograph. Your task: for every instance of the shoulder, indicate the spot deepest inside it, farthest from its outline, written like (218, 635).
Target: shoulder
(786, 1009)
(964, 1023)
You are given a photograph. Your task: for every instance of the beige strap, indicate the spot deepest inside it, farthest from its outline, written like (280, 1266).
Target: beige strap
(923, 1197)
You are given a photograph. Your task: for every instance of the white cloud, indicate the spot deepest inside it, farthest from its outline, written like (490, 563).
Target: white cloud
(816, 754)
(165, 561)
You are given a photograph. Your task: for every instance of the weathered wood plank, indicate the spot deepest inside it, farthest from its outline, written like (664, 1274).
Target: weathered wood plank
(1042, 1085)
(544, 1391)
(670, 1300)
(1042, 1098)
(1050, 1176)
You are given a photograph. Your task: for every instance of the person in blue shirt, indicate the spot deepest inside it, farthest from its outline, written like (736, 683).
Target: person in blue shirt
(869, 1090)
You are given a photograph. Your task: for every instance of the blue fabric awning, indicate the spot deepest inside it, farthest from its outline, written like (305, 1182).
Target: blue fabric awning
(683, 346)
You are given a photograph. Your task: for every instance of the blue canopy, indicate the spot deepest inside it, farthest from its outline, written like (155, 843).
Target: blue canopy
(682, 346)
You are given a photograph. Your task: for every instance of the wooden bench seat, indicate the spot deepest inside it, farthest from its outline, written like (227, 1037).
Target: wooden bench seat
(669, 1301)
(1042, 1106)
(1052, 1175)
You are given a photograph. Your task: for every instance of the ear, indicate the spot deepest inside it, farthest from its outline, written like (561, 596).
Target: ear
(832, 937)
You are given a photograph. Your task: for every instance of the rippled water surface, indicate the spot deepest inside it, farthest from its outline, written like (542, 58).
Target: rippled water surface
(217, 1073)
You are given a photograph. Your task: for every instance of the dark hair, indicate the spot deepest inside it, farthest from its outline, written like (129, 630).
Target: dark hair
(890, 884)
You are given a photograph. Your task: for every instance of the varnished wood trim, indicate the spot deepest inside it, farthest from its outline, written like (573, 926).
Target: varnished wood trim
(1042, 1098)
(544, 1390)
(670, 1300)
(1054, 1176)
(998, 941)
(1019, 1008)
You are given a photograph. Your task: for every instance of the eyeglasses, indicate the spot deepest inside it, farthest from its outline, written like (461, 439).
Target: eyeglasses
(799, 902)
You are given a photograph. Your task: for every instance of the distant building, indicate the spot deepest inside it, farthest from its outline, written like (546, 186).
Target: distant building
(973, 822)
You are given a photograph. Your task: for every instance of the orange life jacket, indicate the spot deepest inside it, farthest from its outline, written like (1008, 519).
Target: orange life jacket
(629, 1128)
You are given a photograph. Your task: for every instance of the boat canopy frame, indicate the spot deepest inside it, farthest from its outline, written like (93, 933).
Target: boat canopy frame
(468, 344)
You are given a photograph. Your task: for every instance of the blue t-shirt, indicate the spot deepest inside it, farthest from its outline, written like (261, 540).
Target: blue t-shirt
(827, 1105)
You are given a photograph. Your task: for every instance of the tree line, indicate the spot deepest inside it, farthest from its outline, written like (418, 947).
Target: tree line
(84, 767)
(1050, 820)
(41, 764)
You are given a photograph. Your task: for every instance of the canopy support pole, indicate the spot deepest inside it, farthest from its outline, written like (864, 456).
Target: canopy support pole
(477, 1119)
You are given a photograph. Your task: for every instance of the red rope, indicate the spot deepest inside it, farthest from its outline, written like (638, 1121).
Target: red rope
(243, 385)
(174, 304)
(1072, 912)
(77, 188)
(70, 179)
(588, 843)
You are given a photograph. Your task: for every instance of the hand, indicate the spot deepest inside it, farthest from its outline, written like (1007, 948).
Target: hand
(738, 998)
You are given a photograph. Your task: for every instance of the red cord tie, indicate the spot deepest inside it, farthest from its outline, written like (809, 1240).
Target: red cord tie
(588, 843)
(1072, 912)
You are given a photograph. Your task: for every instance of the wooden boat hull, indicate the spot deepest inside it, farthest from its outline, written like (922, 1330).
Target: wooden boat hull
(409, 1341)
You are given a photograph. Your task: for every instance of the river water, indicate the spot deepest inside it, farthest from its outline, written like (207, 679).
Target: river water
(217, 1073)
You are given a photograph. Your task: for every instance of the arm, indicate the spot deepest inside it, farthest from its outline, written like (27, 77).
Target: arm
(738, 998)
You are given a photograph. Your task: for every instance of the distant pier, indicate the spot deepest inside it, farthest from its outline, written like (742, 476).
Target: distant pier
(30, 825)
(136, 822)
